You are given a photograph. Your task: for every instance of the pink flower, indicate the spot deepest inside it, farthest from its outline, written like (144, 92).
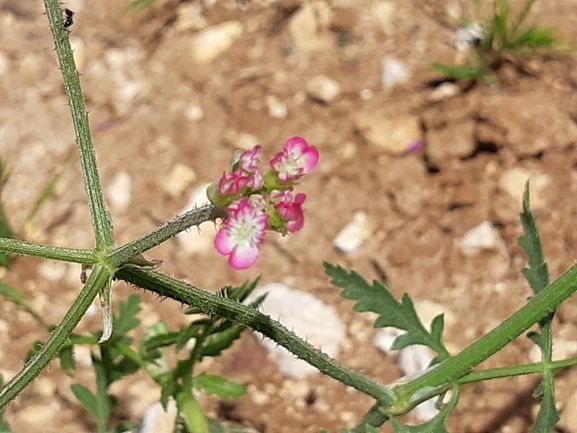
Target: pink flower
(243, 232)
(296, 160)
(233, 183)
(249, 159)
(290, 209)
(244, 174)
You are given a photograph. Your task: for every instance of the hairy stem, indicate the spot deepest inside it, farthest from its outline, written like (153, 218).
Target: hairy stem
(188, 219)
(454, 368)
(98, 279)
(100, 216)
(84, 257)
(222, 307)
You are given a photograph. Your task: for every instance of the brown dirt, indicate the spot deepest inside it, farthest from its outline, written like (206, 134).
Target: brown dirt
(418, 205)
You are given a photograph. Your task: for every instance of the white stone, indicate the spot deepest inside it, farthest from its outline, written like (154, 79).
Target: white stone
(366, 94)
(128, 78)
(76, 5)
(119, 192)
(468, 36)
(394, 72)
(383, 14)
(38, 415)
(190, 17)
(156, 420)
(444, 91)
(242, 140)
(390, 134)
(276, 109)
(385, 337)
(427, 310)
(178, 179)
(562, 349)
(354, 234)
(323, 88)
(480, 238)
(52, 271)
(4, 63)
(194, 113)
(196, 239)
(513, 183)
(211, 42)
(308, 317)
(413, 360)
(79, 52)
(83, 355)
(309, 27)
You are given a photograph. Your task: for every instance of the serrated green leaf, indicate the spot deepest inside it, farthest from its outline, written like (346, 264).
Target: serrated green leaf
(378, 299)
(214, 384)
(127, 311)
(548, 415)
(537, 274)
(67, 360)
(33, 350)
(86, 398)
(215, 344)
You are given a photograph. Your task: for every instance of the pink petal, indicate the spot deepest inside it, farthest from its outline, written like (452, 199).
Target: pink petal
(223, 242)
(244, 258)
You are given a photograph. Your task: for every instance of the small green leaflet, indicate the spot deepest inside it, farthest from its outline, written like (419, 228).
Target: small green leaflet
(402, 315)
(537, 274)
(213, 384)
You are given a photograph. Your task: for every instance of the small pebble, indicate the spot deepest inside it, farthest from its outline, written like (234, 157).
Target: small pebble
(196, 239)
(178, 179)
(156, 420)
(276, 109)
(444, 91)
(354, 234)
(394, 72)
(119, 192)
(323, 89)
(307, 316)
(211, 42)
(480, 238)
(194, 113)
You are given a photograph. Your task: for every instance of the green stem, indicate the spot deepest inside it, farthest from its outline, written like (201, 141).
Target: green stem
(85, 257)
(454, 368)
(515, 370)
(98, 279)
(374, 418)
(100, 216)
(213, 305)
(188, 219)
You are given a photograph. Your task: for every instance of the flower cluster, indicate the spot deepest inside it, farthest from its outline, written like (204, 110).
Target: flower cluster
(256, 202)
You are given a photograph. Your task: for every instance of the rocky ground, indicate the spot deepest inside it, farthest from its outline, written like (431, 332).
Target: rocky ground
(429, 173)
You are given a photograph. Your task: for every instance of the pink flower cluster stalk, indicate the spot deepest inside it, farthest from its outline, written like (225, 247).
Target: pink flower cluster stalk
(255, 203)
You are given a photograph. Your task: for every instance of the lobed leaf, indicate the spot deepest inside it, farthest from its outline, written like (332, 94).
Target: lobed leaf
(537, 275)
(402, 315)
(127, 311)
